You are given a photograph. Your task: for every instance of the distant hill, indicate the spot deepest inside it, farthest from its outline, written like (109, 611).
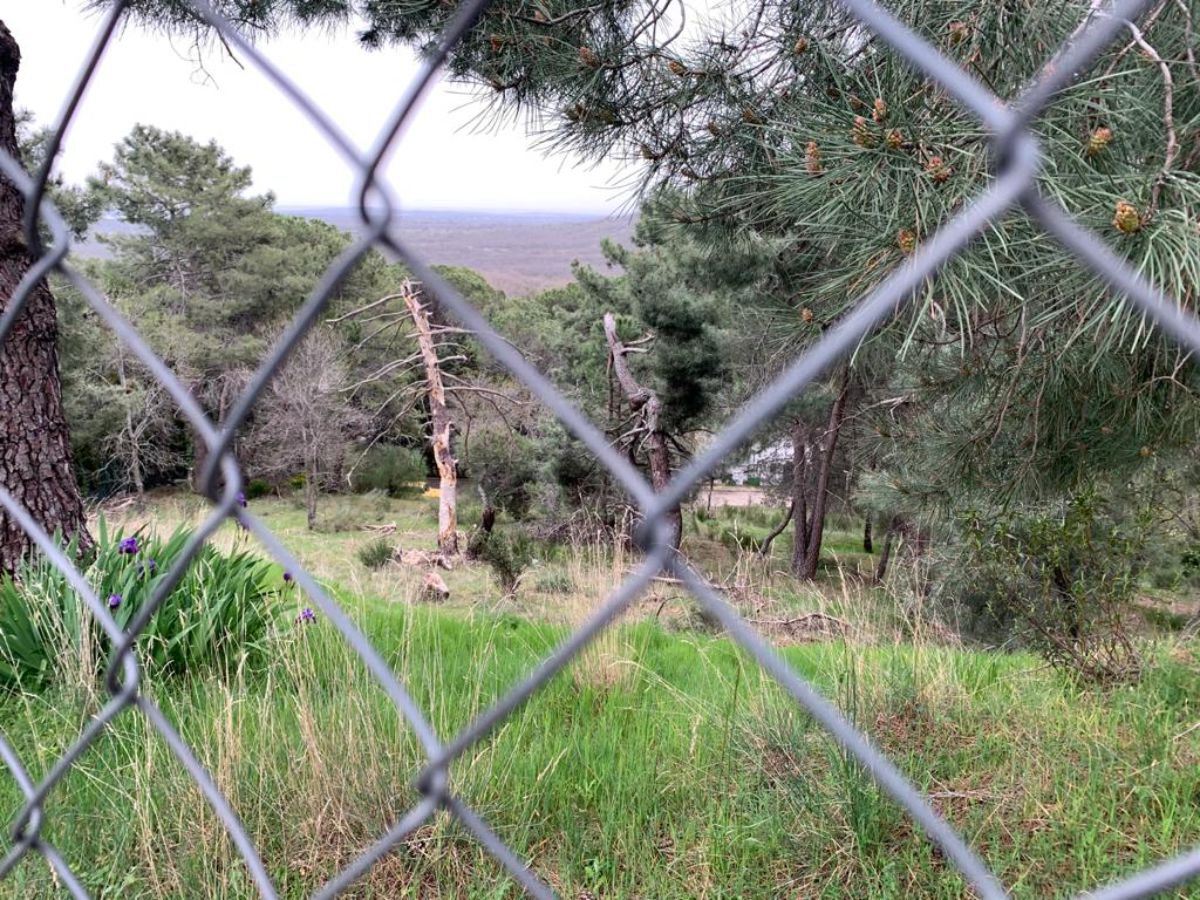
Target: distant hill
(519, 253)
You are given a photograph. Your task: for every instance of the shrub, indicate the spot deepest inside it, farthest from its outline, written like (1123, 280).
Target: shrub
(555, 582)
(256, 489)
(508, 555)
(508, 467)
(376, 554)
(215, 619)
(1062, 576)
(397, 471)
(742, 538)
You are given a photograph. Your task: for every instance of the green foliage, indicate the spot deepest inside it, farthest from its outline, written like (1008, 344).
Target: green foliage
(742, 537)
(210, 276)
(256, 488)
(216, 619)
(554, 581)
(1063, 576)
(508, 467)
(376, 554)
(507, 552)
(397, 471)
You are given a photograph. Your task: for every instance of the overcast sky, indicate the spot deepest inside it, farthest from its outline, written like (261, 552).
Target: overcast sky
(440, 163)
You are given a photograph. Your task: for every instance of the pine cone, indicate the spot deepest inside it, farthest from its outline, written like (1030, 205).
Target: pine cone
(801, 45)
(894, 139)
(937, 169)
(959, 32)
(861, 133)
(1099, 140)
(588, 57)
(879, 111)
(677, 67)
(812, 159)
(906, 240)
(1126, 218)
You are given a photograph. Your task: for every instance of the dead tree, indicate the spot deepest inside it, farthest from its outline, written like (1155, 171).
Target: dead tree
(304, 421)
(398, 320)
(647, 409)
(441, 424)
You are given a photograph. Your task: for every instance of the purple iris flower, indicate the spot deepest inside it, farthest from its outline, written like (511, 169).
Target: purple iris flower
(287, 578)
(128, 545)
(307, 615)
(114, 600)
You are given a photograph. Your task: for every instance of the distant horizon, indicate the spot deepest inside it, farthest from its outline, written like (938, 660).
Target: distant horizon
(291, 208)
(463, 210)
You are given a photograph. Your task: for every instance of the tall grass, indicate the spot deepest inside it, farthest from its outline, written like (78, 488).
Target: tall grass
(687, 775)
(661, 764)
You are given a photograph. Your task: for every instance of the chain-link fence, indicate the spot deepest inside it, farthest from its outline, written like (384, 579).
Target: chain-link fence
(1015, 165)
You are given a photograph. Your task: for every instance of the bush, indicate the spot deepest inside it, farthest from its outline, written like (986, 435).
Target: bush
(256, 489)
(554, 582)
(508, 467)
(1062, 576)
(742, 538)
(215, 619)
(376, 554)
(397, 471)
(508, 555)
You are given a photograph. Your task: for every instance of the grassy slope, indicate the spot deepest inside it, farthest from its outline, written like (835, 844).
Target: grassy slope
(661, 765)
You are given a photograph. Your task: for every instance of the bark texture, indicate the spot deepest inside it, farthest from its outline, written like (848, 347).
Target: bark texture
(646, 405)
(35, 449)
(443, 452)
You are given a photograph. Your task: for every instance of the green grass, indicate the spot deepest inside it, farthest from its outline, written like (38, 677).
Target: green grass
(663, 764)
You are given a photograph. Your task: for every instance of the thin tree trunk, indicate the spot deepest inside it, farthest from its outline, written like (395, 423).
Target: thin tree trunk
(35, 448)
(885, 555)
(443, 453)
(765, 549)
(868, 545)
(807, 552)
(135, 456)
(311, 486)
(800, 453)
(645, 402)
(816, 528)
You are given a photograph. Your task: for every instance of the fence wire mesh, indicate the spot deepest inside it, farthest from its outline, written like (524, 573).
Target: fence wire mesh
(1015, 166)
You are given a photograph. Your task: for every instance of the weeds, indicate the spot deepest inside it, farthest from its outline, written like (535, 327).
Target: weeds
(376, 554)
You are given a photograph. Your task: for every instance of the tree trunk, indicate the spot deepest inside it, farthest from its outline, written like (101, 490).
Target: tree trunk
(804, 561)
(131, 435)
(800, 453)
(868, 545)
(646, 404)
(35, 448)
(765, 549)
(443, 453)
(885, 555)
(311, 478)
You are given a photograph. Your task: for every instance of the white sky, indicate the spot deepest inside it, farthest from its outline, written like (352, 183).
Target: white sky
(439, 164)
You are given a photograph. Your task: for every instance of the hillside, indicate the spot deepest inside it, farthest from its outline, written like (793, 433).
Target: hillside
(519, 253)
